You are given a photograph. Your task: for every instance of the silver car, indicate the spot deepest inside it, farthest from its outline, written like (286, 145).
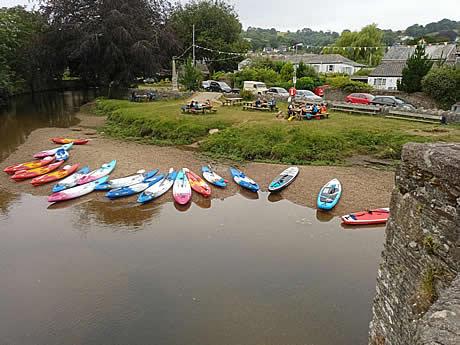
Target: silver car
(278, 91)
(307, 95)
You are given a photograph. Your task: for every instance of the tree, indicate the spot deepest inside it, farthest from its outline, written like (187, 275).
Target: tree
(365, 46)
(443, 85)
(417, 66)
(191, 77)
(111, 42)
(287, 72)
(217, 28)
(306, 71)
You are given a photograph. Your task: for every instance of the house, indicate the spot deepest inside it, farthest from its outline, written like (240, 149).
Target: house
(387, 75)
(323, 63)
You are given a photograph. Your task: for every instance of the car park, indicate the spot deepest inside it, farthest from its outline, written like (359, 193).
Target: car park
(359, 98)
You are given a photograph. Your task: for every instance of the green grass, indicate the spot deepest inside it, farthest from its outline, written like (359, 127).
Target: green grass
(259, 136)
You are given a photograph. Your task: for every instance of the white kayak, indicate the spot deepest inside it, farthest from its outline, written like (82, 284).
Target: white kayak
(134, 189)
(210, 176)
(52, 152)
(127, 181)
(158, 189)
(94, 175)
(77, 191)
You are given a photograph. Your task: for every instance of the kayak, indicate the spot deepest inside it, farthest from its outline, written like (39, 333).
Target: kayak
(134, 189)
(197, 183)
(158, 189)
(29, 165)
(25, 174)
(369, 217)
(55, 175)
(70, 181)
(284, 179)
(241, 179)
(94, 175)
(210, 176)
(182, 192)
(329, 195)
(52, 152)
(127, 181)
(77, 191)
(62, 155)
(68, 141)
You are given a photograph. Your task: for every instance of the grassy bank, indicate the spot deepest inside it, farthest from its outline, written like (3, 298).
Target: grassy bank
(257, 136)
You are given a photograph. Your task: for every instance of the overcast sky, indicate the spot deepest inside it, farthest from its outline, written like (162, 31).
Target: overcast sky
(335, 15)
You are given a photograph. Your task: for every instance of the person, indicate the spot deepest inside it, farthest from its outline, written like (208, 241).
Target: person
(272, 103)
(192, 104)
(323, 108)
(133, 96)
(314, 109)
(258, 101)
(290, 109)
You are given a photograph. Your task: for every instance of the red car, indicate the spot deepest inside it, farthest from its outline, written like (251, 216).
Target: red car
(359, 98)
(319, 90)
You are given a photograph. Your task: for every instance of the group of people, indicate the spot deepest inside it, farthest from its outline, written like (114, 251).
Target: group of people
(306, 111)
(262, 102)
(198, 106)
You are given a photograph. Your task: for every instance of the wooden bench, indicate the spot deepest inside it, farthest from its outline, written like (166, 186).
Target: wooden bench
(230, 102)
(413, 116)
(264, 107)
(202, 110)
(356, 109)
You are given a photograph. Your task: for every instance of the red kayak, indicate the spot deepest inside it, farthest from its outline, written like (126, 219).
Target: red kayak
(29, 165)
(370, 217)
(25, 174)
(55, 175)
(197, 183)
(62, 141)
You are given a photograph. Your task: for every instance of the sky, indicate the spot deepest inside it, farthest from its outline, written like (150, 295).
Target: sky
(335, 15)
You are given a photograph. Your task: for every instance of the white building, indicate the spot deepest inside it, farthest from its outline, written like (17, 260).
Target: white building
(389, 72)
(323, 63)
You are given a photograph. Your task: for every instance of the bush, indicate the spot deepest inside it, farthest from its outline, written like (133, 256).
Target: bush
(443, 85)
(246, 95)
(191, 77)
(346, 84)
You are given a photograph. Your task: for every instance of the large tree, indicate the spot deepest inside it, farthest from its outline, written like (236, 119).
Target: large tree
(417, 66)
(111, 41)
(365, 46)
(216, 28)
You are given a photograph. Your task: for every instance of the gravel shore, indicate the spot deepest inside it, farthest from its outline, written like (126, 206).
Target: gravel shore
(363, 187)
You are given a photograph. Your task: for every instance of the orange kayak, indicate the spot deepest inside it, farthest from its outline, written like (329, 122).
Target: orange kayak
(68, 141)
(29, 165)
(55, 175)
(197, 183)
(25, 174)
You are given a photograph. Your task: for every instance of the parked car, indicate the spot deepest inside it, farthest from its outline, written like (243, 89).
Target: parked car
(278, 91)
(307, 95)
(359, 98)
(219, 86)
(319, 90)
(206, 84)
(255, 87)
(149, 80)
(392, 101)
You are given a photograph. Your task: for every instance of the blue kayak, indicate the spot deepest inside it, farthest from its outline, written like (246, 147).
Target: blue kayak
(71, 181)
(210, 176)
(134, 189)
(158, 189)
(127, 181)
(241, 179)
(329, 195)
(61, 155)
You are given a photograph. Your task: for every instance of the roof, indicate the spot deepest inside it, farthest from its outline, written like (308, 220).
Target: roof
(389, 69)
(435, 52)
(322, 59)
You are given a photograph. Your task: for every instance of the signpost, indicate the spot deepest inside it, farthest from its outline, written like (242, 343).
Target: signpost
(292, 91)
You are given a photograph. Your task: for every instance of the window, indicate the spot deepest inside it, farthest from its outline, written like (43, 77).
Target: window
(380, 81)
(330, 68)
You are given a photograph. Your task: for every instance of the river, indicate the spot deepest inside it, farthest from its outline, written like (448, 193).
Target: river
(233, 271)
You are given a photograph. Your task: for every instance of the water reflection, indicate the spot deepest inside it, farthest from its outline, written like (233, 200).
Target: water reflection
(7, 200)
(275, 197)
(26, 113)
(248, 194)
(324, 216)
(202, 202)
(182, 208)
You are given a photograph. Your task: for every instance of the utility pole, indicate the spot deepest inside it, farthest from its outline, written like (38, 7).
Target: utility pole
(193, 44)
(174, 75)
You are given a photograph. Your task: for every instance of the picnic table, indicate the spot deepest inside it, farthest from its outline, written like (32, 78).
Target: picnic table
(198, 110)
(319, 116)
(262, 107)
(229, 102)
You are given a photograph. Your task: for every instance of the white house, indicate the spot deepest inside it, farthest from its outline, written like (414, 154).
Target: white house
(323, 63)
(386, 75)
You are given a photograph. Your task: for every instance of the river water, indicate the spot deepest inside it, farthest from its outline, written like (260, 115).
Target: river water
(237, 271)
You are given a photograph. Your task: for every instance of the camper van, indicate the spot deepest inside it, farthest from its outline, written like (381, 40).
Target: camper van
(255, 87)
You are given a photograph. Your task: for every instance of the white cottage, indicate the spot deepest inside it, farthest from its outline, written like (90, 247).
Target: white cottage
(389, 72)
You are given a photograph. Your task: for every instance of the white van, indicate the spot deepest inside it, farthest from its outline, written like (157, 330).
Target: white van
(255, 87)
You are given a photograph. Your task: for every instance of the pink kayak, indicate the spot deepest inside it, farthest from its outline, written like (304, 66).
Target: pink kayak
(94, 175)
(182, 192)
(52, 152)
